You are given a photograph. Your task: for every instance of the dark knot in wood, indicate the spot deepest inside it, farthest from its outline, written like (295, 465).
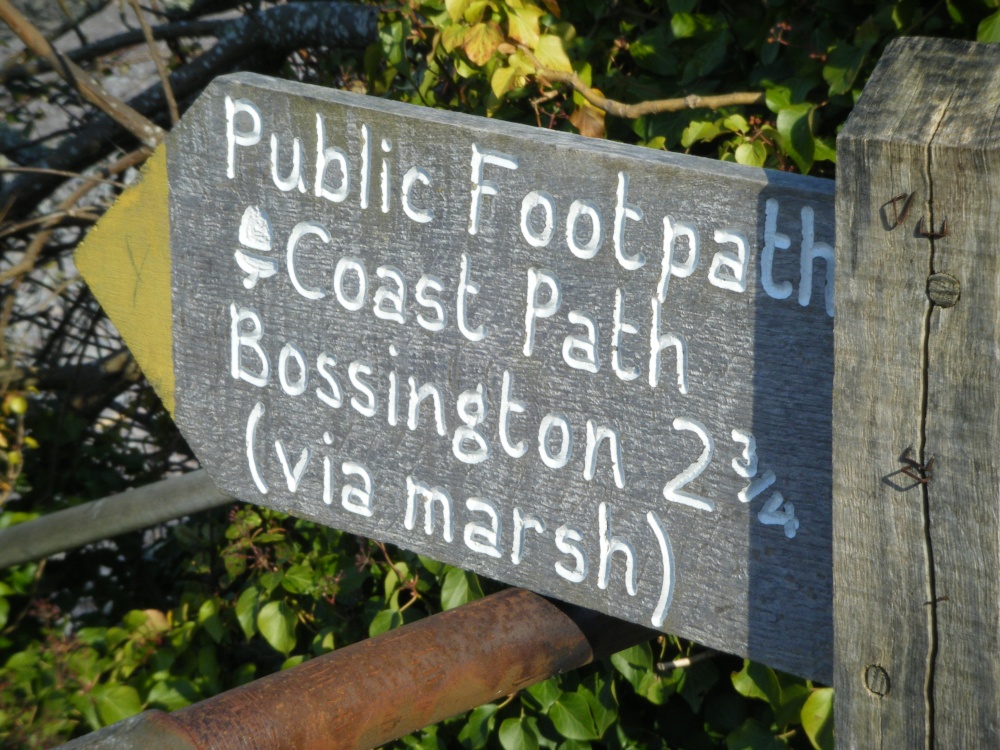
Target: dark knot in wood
(877, 680)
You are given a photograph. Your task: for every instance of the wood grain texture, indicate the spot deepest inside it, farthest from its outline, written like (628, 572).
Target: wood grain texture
(125, 260)
(756, 363)
(915, 562)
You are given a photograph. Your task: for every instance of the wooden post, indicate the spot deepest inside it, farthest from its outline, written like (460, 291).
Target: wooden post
(916, 418)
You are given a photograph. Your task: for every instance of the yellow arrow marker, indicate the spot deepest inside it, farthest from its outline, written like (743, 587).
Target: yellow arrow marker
(126, 261)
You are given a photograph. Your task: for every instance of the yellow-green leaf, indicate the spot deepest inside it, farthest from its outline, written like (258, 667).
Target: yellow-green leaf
(817, 718)
(476, 10)
(481, 41)
(502, 81)
(456, 8)
(453, 36)
(522, 25)
(551, 54)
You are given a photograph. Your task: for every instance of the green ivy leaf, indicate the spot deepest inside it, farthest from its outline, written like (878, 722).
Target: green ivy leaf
(752, 154)
(683, 25)
(651, 51)
(459, 587)
(171, 695)
(572, 718)
(795, 131)
(385, 620)
(842, 66)
(817, 718)
(116, 702)
(246, 611)
(777, 97)
(634, 663)
(518, 734)
(752, 735)
(299, 579)
(989, 29)
(700, 131)
(4, 612)
(545, 693)
(276, 623)
(756, 680)
(476, 732)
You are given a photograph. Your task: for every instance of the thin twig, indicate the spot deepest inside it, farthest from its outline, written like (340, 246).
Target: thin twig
(164, 32)
(161, 68)
(34, 249)
(49, 220)
(142, 128)
(63, 173)
(682, 663)
(651, 107)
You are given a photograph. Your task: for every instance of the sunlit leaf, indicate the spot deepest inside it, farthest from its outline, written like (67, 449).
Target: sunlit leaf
(116, 702)
(817, 718)
(517, 734)
(551, 54)
(481, 41)
(276, 623)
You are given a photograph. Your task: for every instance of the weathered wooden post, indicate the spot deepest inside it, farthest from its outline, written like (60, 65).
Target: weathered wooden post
(916, 413)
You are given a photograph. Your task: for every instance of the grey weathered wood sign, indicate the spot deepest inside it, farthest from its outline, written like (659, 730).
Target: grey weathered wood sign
(596, 371)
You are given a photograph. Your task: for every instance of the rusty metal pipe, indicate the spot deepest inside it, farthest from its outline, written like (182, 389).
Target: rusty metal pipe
(380, 689)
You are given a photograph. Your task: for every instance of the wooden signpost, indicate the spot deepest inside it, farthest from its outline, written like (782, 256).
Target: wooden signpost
(595, 371)
(606, 374)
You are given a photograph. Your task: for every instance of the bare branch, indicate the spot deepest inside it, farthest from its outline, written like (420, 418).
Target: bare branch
(146, 131)
(652, 107)
(167, 31)
(161, 68)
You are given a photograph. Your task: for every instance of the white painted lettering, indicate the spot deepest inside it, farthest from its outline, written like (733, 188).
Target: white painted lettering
(481, 187)
(811, 251)
(417, 396)
(560, 459)
(580, 352)
(354, 372)
(672, 233)
(251, 438)
(325, 155)
(366, 164)
(531, 201)
(597, 434)
(239, 340)
(537, 278)
(292, 387)
(294, 178)
(622, 325)
(414, 175)
(588, 249)
(510, 405)
(773, 240)
(430, 495)
(658, 343)
(301, 230)
(386, 175)
(335, 396)
(672, 490)
(357, 499)
(568, 541)
(737, 264)
(483, 539)
(625, 211)
(425, 300)
(472, 412)
(465, 288)
(292, 476)
(395, 298)
(348, 302)
(667, 555)
(236, 137)
(521, 523)
(609, 546)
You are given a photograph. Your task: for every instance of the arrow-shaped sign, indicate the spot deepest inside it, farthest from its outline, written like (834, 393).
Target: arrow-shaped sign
(567, 364)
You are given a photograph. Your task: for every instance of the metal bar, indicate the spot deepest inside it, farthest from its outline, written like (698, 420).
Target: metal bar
(380, 689)
(108, 517)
